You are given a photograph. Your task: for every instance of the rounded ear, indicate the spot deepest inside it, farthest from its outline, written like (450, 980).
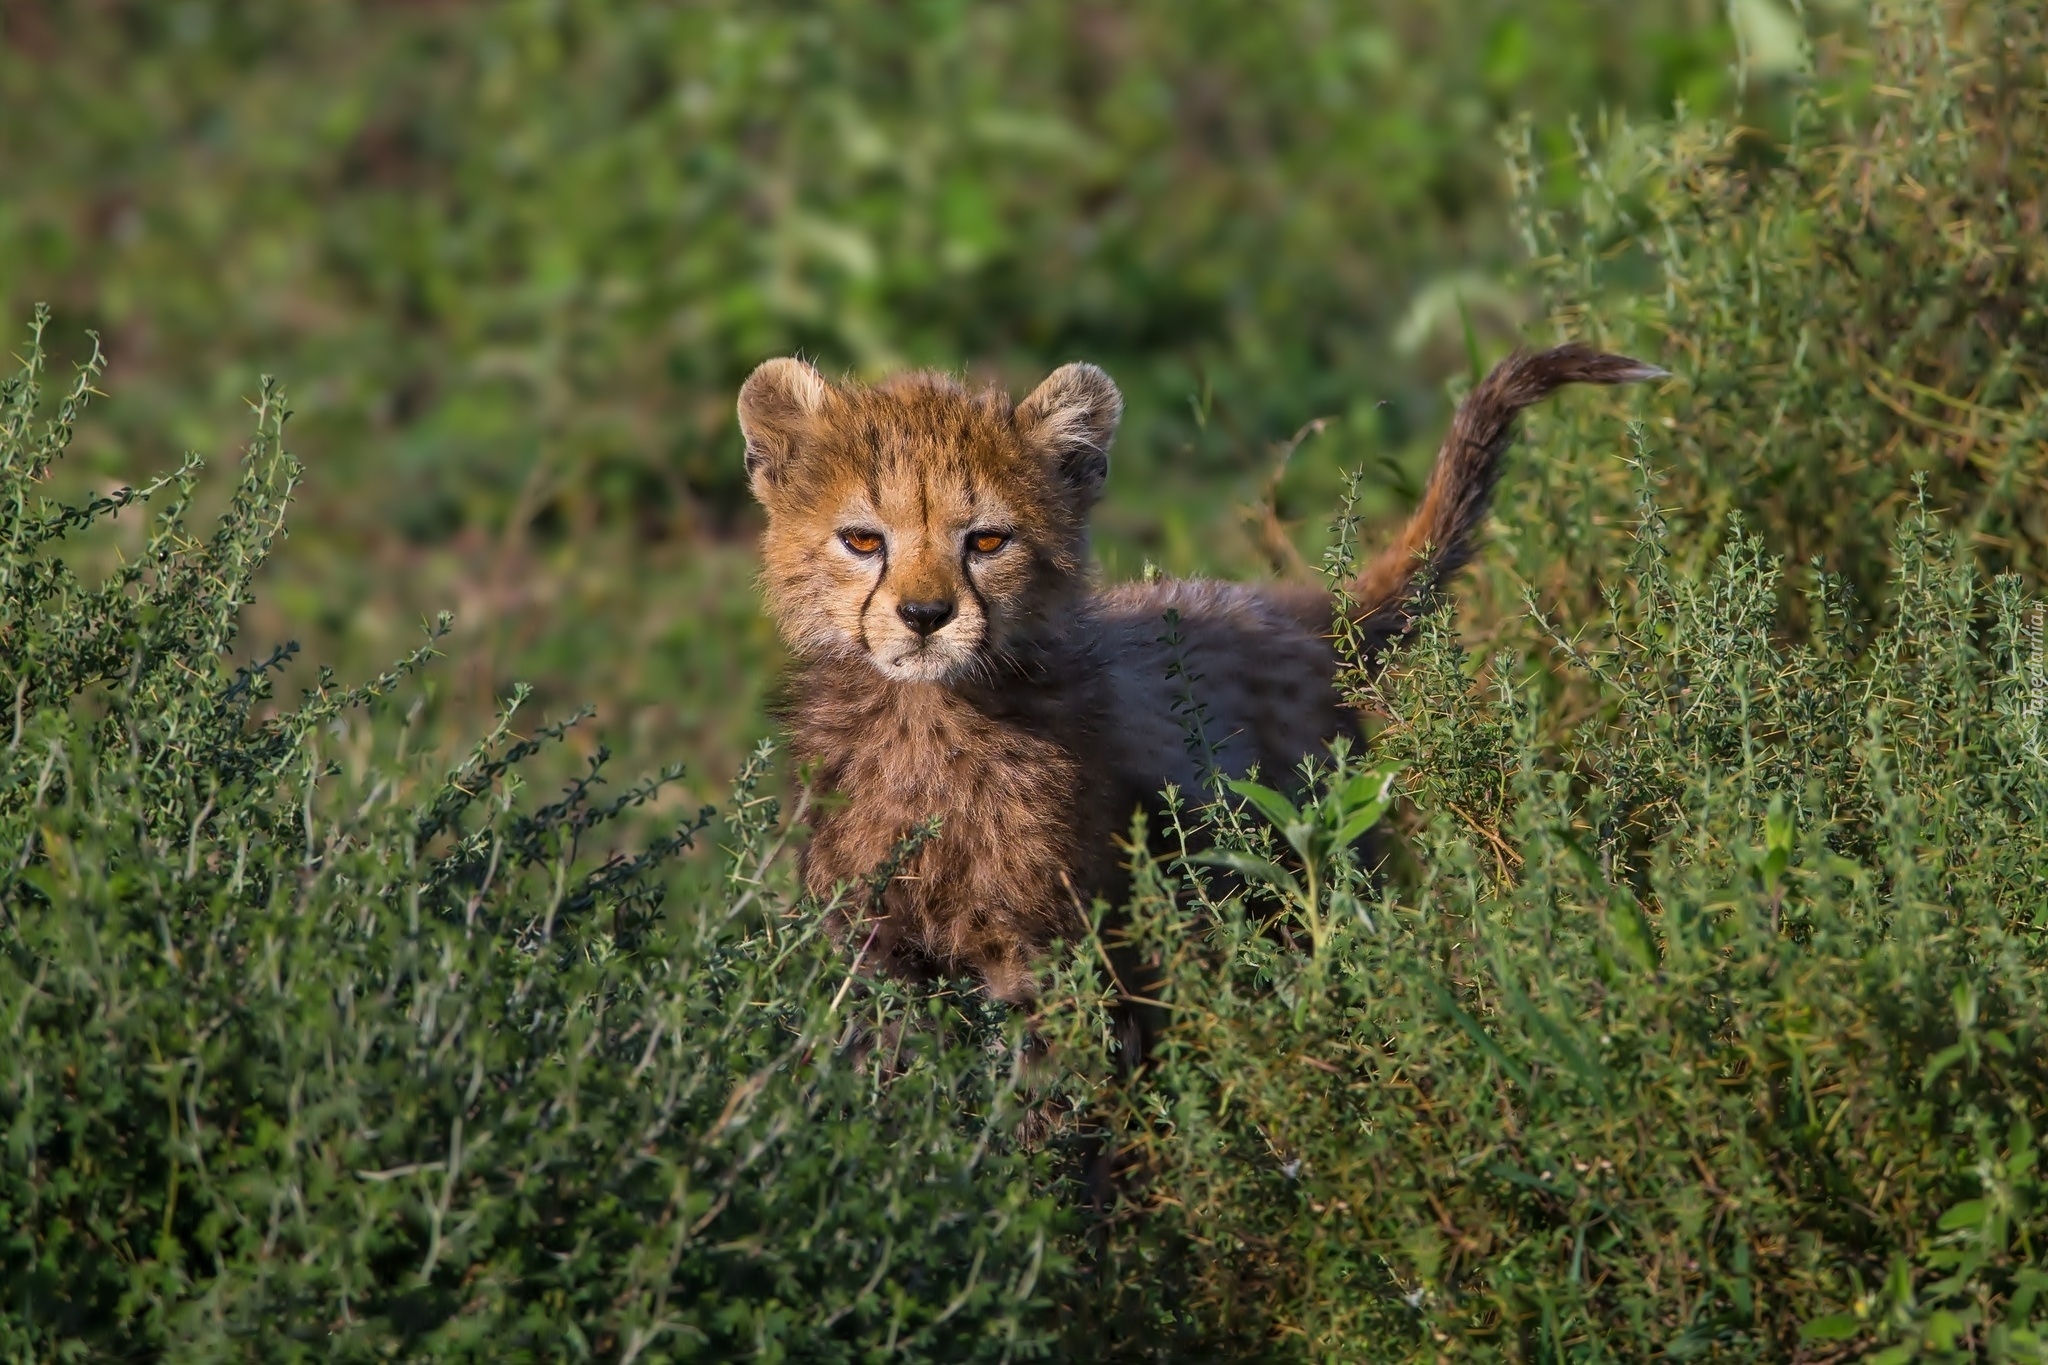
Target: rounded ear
(1074, 414)
(776, 404)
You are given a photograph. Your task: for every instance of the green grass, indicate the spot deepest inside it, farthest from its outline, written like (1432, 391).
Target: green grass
(516, 259)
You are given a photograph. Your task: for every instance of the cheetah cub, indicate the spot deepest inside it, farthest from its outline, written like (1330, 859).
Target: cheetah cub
(927, 563)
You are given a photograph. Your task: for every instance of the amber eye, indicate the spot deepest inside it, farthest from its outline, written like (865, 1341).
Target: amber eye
(861, 542)
(987, 542)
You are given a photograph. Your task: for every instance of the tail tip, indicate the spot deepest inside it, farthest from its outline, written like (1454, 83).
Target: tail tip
(1633, 371)
(1575, 363)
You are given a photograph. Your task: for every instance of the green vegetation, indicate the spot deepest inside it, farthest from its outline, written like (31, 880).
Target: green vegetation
(517, 258)
(1867, 312)
(1699, 1013)
(1717, 1029)
(297, 1065)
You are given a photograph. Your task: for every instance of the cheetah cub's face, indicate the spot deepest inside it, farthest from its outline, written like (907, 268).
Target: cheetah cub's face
(925, 529)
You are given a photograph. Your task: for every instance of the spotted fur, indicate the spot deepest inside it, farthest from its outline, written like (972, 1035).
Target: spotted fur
(926, 560)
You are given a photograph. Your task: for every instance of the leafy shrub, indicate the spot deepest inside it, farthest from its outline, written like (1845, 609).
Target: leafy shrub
(1702, 1016)
(1717, 1028)
(1861, 307)
(306, 1049)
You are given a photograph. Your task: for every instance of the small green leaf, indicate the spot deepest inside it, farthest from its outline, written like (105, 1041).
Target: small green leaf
(1361, 820)
(2028, 1283)
(1833, 1327)
(1632, 929)
(1943, 1327)
(1846, 868)
(1252, 868)
(1271, 804)
(1774, 864)
(1942, 1061)
(1778, 829)
(1372, 784)
(1967, 1214)
(1964, 1000)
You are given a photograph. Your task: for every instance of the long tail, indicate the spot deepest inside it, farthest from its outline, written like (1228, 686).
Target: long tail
(1390, 592)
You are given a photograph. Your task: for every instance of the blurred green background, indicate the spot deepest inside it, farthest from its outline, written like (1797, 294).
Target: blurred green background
(513, 261)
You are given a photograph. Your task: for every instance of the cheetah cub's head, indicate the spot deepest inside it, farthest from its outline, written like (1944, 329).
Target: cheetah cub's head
(926, 529)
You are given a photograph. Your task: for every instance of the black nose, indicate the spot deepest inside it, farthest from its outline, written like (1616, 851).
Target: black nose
(925, 617)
